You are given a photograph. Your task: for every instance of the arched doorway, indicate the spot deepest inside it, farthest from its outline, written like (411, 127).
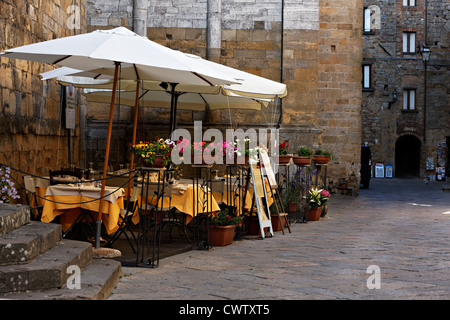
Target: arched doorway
(407, 156)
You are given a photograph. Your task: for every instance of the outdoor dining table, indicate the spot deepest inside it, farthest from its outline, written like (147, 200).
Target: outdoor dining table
(67, 201)
(183, 199)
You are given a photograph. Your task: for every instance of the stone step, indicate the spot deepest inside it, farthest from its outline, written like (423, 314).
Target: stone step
(48, 270)
(13, 216)
(97, 281)
(25, 243)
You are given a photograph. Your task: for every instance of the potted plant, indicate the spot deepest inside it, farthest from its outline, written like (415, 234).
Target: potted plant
(222, 227)
(251, 223)
(155, 153)
(244, 151)
(316, 198)
(283, 156)
(303, 156)
(322, 157)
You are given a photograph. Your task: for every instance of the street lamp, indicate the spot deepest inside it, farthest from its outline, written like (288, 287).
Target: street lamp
(426, 52)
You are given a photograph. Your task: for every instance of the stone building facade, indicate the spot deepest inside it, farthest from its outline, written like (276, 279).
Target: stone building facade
(32, 136)
(313, 46)
(405, 108)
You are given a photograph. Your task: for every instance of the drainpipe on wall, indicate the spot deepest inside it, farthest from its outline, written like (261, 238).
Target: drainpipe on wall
(214, 30)
(281, 61)
(140, 12)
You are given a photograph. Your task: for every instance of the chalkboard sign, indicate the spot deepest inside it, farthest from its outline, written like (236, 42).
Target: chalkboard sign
(262, 205)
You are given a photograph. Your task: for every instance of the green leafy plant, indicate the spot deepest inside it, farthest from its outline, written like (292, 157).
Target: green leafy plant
(320, 152)
(304, 151)
(317, 197)
(225, 219)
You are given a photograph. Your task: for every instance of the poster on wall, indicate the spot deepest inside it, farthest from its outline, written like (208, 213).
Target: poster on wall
(379, 170)
(430, 163)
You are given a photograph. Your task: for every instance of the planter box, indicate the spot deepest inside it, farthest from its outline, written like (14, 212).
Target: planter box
(222, 235)
(301, 161)
(276, 222)
(252, 226)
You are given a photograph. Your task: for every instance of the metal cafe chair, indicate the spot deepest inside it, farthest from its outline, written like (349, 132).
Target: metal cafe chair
(125, 223)
(151, 214)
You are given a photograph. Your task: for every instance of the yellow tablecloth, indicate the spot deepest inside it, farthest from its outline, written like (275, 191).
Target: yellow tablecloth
(68, 201)
(183, 200)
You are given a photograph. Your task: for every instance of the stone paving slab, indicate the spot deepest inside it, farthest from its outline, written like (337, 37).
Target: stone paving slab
(402, 226)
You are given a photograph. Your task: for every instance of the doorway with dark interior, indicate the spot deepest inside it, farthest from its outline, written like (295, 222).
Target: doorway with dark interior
(407, 157)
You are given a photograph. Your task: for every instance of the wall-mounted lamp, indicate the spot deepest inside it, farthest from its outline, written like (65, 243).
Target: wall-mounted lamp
(395, 93)
(425, 51)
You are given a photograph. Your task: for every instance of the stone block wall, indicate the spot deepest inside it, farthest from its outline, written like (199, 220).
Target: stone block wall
(32, 138)
(314, 47)
(339, 87)
(384, 121)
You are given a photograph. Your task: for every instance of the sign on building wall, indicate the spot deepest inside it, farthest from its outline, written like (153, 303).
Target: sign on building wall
(71, 102)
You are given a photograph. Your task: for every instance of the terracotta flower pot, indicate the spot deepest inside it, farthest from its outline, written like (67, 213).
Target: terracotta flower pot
(276, 226)
(252, 226)
(158, 162)
(201, 163)
(235, 161)
(314, 213)
(292, 208)
(319, 159)
(222, 235)
(284, 158)
(301, 161)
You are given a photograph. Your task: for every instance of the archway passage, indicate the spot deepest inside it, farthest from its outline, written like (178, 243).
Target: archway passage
(407, 156)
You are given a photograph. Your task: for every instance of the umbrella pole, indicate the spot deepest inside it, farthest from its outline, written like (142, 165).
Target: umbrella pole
(172, 100)
(105, 166)
(136, 109)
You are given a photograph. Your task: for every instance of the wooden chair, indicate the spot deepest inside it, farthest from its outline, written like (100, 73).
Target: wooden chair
(32, 199)
(218, 186)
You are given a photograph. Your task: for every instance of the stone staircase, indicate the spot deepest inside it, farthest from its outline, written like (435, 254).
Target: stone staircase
(34, 261)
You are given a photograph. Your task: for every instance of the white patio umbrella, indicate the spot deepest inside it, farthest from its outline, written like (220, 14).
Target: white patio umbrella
(259, 90)
(105, 51)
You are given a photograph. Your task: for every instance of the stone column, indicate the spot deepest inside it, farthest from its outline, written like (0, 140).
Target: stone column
(214, 30)
(140, 11)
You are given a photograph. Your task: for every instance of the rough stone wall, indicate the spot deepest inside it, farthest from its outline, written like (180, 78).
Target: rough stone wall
(339, 86)
(384, 121)
(321, 65)
(31, 136)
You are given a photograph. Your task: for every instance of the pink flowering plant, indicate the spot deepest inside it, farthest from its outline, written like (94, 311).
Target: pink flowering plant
(220, 149)
(7, 189)
(317, 197)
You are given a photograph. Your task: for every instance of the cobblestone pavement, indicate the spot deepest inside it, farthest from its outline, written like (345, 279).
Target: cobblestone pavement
(400, 226)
